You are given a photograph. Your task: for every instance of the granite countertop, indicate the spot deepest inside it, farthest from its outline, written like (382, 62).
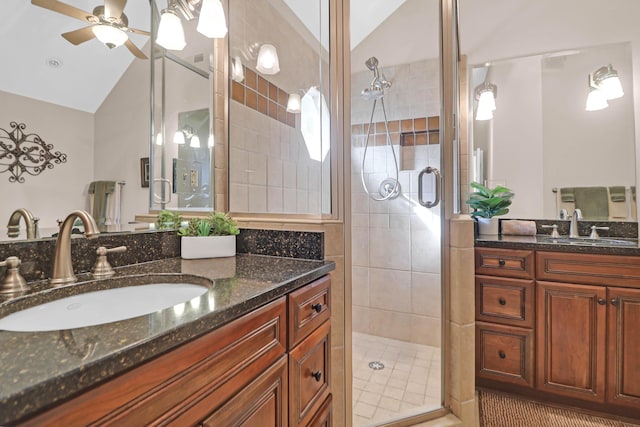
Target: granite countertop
(606, 245)
(39, 369)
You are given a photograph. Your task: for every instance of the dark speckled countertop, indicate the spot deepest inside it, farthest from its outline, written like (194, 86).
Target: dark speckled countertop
(39, 369)
(606, 245)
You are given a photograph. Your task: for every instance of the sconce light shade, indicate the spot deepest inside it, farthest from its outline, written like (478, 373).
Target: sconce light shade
(486, 96)
(178, 137)
(596, 100)
(315, 124)
(268, 62)
(237, 70)
(110, 36)
(293, 103)
(170, 31)
(159, 140)
(210, 141)
(195, 142)
(212, 22)
(606, 79)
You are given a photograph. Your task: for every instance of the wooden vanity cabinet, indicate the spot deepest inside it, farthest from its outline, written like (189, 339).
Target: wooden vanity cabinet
(575, 327)
(245, 373)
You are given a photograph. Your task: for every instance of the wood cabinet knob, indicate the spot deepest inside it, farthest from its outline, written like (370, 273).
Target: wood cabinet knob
(502, 354)
(501, 262)
(603, 301)
(317, 307)
(615, 301)
(317, 375)
(502, 301)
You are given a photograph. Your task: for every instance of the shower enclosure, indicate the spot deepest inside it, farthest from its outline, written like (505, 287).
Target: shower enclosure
(396, 214)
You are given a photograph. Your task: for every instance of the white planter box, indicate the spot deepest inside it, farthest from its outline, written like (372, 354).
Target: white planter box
(192, 247)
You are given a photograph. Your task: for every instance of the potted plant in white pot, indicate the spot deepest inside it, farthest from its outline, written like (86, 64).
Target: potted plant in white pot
(210, 237)
(488, 203)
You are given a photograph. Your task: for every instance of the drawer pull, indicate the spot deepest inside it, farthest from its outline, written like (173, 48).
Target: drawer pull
(501, 262)
(317, 307)
(615, 301)
(317, 375)
(502, 354)
(603, 301)
(502, 301)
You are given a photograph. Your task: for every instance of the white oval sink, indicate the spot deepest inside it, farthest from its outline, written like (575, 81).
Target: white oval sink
(100, 307)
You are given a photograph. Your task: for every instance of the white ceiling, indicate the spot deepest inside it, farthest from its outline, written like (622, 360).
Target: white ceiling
(30, 36)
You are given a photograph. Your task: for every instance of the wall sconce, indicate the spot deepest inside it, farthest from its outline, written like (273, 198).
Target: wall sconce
(486, 95)
(211, 22)
(293, 103)
(604, 84)
(237, 70)
(268, 62)
(159, 140)
(315, 124)
(186, 134)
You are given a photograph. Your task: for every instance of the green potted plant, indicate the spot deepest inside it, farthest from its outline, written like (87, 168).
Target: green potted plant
(168, 220)
(488, 203)
(209, 237)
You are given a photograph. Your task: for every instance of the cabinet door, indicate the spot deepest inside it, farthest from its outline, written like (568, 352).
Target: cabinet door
(261, 404)
(570, 342)
(623, 381)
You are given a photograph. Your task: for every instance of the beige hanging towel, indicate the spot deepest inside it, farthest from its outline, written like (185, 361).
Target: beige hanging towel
(99, 196)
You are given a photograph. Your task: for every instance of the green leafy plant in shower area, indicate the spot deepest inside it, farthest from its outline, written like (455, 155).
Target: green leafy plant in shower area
(217, 224)
(489, 202)
(168, 220)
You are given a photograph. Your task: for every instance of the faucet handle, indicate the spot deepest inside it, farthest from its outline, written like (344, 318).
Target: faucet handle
(13, 282)
(594, 232)
(102, 268)
(554, 232)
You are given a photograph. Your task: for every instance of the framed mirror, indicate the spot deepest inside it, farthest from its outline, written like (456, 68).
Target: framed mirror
(541, 142)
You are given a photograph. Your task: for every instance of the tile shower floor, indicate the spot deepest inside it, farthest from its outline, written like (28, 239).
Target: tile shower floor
(408, 384)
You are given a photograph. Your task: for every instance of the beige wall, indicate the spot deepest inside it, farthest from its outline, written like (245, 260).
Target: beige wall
(55, 192)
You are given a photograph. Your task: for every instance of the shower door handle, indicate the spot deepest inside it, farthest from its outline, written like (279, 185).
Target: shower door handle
(164, 182)
(436, 174)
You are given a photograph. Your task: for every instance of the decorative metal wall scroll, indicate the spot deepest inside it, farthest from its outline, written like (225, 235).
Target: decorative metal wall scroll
(25, 153)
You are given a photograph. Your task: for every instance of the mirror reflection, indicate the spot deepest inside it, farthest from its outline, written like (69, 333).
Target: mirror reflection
(279, 145)
(540, 140)
(87, 99)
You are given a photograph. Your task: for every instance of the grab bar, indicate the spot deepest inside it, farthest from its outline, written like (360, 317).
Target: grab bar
(438, 179)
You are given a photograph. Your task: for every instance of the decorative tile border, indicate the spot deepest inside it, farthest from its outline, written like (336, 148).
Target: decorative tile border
(406, 132)
(261, 95)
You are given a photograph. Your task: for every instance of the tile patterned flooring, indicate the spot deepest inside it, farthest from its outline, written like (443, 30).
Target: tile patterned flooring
(408, 384)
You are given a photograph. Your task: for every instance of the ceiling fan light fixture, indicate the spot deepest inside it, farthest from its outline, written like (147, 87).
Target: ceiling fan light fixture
(170, 31)
(109, 35)
(212, 23)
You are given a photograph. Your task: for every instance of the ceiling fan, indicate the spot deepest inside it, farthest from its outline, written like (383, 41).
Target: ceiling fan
(109, 24)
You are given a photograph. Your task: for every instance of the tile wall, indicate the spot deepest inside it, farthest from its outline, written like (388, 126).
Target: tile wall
(396, 243)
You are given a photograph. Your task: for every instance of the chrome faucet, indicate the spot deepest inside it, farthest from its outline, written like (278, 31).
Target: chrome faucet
(62, 264)
(573, 226)
(13, 227)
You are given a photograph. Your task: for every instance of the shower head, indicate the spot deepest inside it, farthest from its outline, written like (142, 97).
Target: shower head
(372, 63)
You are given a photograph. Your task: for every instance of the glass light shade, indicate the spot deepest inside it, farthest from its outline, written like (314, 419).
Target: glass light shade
(293, 103)
(268, 62)
(314, 124)
(596, 100)
(237, 70)
(159, 140)
(611, 87)
(195, 142)
(212, 23)
(170, 32)
(178, 137)
(210, 141)
(110, 36)
(486, 106)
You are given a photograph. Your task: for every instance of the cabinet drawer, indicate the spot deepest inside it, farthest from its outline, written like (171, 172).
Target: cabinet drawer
(309, 307)
(505, 301)
(504, 262)
(309, 374)
(324, 415)
(588, 268)
(504, 353)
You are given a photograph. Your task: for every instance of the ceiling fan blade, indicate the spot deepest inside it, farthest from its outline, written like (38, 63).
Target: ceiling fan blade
(134, 49)
(79, 36)
(114, 8)
(64, 9)
(142, 32)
